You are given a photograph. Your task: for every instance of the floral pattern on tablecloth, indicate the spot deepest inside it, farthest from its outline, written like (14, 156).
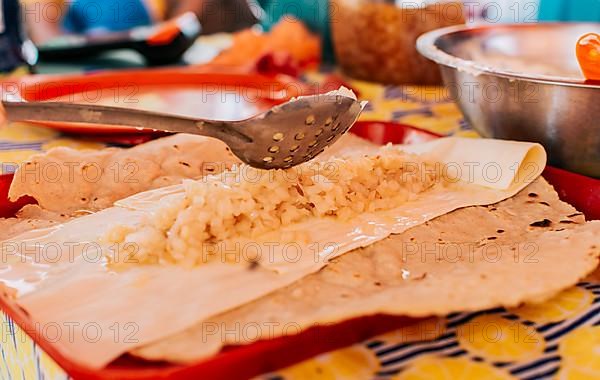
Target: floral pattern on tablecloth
(558, 339)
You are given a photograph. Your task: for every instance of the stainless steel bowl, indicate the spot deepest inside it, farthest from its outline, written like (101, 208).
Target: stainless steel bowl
(522, 82)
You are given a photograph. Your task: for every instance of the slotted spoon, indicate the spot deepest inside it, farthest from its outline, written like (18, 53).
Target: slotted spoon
(284, 136)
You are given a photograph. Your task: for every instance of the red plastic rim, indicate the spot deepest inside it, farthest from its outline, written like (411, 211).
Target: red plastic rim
(262, 91)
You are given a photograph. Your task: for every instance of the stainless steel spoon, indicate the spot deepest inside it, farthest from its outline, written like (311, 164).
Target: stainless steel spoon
(284, 136)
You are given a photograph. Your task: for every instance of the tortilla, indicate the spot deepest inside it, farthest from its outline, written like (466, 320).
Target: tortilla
(28, 218)
(66, 180)
(474, 258)
(164, 304)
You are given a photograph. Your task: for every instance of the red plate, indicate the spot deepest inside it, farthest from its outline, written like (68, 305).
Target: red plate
(190, 91)
(265, 356)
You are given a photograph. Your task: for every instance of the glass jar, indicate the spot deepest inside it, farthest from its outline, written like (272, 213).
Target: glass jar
(375, 40)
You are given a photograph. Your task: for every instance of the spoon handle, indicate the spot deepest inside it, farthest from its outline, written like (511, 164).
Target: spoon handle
(96, 114)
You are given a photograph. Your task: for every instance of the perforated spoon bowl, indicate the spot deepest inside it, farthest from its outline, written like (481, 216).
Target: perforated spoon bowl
(284, 136)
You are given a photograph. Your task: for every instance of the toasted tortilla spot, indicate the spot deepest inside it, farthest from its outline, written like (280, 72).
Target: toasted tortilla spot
(566, 222)
(542, 223)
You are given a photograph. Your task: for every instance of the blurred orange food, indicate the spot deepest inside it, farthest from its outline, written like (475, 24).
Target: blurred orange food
(588, 54)
(288, 48)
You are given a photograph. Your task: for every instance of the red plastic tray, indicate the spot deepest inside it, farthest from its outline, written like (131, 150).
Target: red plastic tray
(125, 88)
(265, 356)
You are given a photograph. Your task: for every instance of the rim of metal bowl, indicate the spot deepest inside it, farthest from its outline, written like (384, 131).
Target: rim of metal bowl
(426, 45)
